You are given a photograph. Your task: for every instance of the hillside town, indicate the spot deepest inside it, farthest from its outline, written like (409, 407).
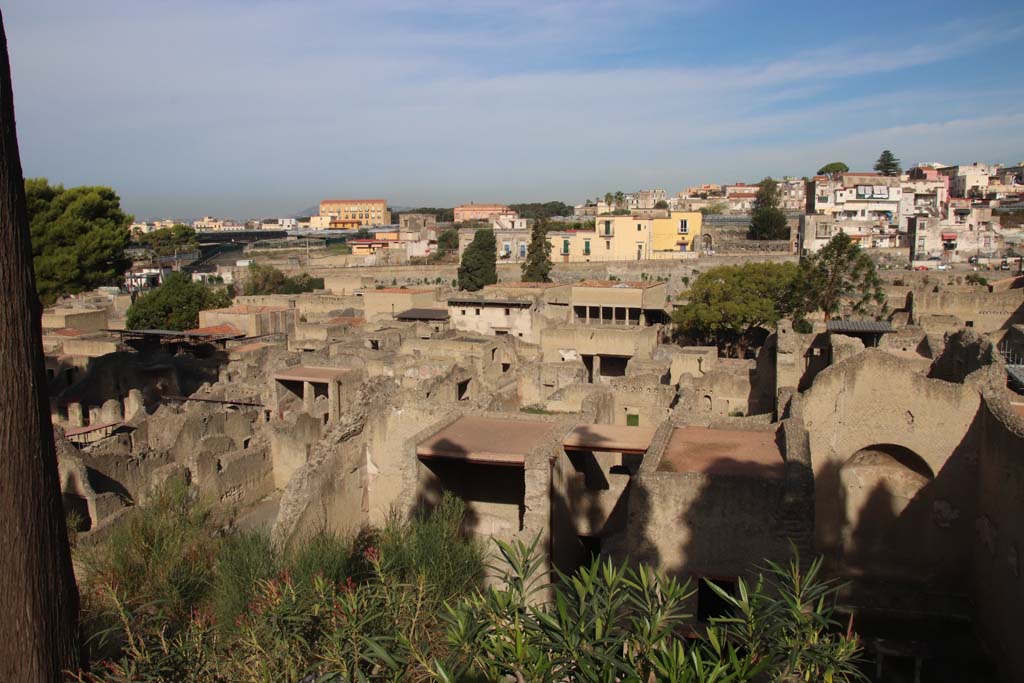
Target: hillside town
(587, 410)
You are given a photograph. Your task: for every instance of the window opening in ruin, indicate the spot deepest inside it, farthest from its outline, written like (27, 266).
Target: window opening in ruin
(246, 441)
(220, 467)
(709, 603)
(632, 420)
(508, 311)
(505, 367)
(707, 403)
(591, 547)
(588, 363)
(461, 390)
(613, 366)
(500, 333)
(477, 311)
(969, 323)
(375, 344)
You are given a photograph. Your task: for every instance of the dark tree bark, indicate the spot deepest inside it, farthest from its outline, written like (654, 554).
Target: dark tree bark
(38, 596)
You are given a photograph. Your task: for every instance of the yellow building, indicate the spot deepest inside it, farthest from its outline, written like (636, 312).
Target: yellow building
(629, 238)
(679, 232)
(570, 246)
(356, 213)
(625, 238)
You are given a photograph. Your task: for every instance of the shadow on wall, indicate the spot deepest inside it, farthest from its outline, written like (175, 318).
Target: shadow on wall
(816, 359)
(589, 497)
(762, 377)
(883, 514)
(155, 374)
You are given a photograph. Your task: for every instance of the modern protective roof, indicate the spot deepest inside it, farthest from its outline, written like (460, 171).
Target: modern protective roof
(480, 301)
(423, 314)
(488, 440)
(608, 438)
(859, 326)
(727, 452)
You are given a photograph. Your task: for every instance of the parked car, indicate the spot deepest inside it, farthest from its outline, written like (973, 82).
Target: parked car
(944, 266)
(921, 268)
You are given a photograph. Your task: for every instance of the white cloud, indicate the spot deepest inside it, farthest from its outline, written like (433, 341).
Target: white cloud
(262, 107)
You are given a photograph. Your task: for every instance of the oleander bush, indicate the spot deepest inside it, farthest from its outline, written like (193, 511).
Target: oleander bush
(407, 603)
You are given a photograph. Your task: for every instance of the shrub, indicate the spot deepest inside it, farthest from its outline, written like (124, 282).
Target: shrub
(419, 614)
(803, 326)
(242, 560)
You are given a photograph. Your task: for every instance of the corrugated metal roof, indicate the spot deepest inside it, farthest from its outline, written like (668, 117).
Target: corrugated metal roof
(872, 326)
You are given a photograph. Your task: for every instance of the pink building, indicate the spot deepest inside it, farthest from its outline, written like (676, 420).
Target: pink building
(482, 212)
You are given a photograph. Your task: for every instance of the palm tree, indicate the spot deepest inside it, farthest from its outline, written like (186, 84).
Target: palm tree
(608, 199)
(620, 199)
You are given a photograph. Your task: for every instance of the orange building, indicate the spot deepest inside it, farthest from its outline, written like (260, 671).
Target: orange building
(481, 212)
(356, 213)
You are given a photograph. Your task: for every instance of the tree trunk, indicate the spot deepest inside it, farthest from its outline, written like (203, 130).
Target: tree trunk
(38, 596)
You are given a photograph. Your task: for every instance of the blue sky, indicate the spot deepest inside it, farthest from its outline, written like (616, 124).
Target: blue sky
(260, 108)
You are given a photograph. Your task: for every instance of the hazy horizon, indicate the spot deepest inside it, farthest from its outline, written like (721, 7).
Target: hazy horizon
(248, 109)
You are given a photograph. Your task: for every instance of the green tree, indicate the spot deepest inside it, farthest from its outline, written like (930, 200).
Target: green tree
(269, 280)
(620, 199)
(448, 240)
(661, 204)
(168, 241)
(442, 215)
(537, 210)
(714, 209)
(840, 275)
(537, 265)
(78, 237)
(609, 199)
(727, 303)
(479, 262)
(834, 167)
(174, 305)
(768, 222)
(887, 164)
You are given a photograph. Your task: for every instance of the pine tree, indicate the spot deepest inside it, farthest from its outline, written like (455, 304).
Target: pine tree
(840, 275)
(537, 265)
(479, 265)
(38, 596)
(888, 164)
(768, 222)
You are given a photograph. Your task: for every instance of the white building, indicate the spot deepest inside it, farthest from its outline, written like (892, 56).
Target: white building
(494, 317)
(858, 197)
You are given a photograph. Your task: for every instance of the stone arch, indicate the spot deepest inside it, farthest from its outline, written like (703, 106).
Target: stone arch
(885, 509)
(706, 242)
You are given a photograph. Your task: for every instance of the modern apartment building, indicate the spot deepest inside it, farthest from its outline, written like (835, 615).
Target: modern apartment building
(858, 196)
(355, 213)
